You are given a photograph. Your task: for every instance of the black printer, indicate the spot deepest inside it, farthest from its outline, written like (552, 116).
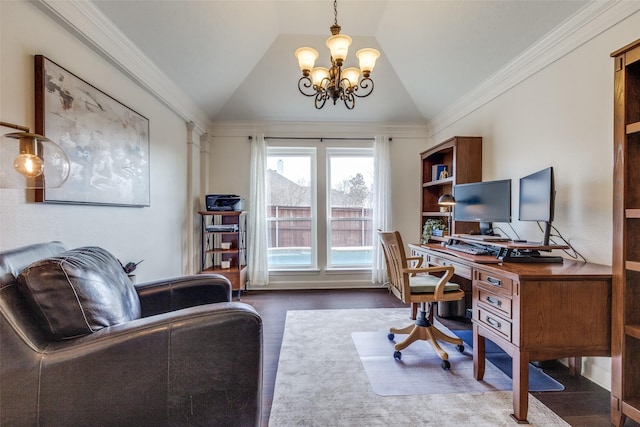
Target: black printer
(224, 202)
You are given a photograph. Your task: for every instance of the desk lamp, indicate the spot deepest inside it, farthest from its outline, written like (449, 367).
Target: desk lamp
(447, 200)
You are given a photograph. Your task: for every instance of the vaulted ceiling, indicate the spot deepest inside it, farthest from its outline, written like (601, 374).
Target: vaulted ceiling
(234, 59)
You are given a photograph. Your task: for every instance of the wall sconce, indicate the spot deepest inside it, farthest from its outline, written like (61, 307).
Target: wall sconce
(29, 160)
(447, 200)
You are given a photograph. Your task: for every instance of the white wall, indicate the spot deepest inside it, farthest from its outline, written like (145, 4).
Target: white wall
(155, 234)
(560, 117)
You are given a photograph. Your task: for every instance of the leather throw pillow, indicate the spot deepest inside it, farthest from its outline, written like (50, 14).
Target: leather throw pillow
(79, 292)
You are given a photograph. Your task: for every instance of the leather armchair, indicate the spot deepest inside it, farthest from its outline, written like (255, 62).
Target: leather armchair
(191, 357)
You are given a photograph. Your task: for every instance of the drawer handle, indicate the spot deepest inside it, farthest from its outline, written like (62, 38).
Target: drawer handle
(494, 281)
(494, 301)
(494, 323)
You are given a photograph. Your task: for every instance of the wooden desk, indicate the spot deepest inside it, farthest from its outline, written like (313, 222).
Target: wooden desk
(533, 312)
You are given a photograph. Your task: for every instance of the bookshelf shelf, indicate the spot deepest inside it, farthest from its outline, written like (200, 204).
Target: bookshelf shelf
(633, 128)
(633, 331)
(633, 265)
(444, 181)
(632, 213)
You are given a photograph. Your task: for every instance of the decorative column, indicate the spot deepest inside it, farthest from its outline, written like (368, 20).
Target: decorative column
(191, 264)
(205, 163)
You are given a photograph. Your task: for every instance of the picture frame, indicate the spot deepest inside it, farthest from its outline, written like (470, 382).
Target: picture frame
(107, 143)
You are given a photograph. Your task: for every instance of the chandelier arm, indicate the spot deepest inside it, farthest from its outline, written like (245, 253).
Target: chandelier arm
(305, 86)
(321, 99)
(366, 84)
(349, 100)
(345, 85)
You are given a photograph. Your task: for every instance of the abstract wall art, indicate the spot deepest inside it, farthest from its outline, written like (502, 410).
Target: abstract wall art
(107, 142)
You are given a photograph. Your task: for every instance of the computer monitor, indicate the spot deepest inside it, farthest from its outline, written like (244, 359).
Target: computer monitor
(537, 199)
(484, 202)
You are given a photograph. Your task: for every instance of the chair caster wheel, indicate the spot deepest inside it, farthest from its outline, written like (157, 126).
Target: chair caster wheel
(446, 365)
(397, 355)
(391, 336)
(460, 348)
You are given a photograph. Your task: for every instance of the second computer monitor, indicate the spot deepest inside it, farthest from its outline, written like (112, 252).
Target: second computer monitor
(483, 202)
(537, 200)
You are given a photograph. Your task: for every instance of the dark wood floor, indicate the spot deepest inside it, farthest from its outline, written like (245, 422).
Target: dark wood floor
(582, 403)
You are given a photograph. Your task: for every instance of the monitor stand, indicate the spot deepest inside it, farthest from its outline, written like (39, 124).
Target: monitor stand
(486, 228)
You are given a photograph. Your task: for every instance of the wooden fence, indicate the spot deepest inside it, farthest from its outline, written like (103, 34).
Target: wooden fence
(350, 227)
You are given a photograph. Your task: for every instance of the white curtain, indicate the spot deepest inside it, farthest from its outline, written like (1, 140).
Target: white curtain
(257, 233)
(381, 203)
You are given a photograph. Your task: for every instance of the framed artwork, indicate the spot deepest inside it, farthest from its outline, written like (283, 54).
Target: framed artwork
(107, 142)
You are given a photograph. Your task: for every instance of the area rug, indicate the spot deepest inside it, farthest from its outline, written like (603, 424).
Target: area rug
(321, 381)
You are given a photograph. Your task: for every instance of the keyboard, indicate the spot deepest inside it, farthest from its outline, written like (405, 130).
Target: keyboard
(468, 249)
(483, 238)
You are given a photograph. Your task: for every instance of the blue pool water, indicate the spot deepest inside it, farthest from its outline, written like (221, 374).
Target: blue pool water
(301, 257)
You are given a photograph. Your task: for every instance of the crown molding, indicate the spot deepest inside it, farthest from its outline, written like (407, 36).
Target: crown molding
(90, 25)
(318, 129)
(584, 25)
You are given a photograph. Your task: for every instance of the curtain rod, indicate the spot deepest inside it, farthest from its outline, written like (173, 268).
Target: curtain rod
(320, 138)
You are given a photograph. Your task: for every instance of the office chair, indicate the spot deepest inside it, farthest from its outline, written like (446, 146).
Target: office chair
(416, 285)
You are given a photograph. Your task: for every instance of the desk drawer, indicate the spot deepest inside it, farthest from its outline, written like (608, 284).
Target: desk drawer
(493, 282)
(460, 269)
(495, 323)
(494, 302)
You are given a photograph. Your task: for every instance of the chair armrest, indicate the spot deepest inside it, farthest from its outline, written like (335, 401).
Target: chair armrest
(448, 271)
(418, 258)
(167, 295)
(197, 366)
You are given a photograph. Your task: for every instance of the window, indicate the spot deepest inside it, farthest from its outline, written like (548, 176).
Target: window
(308, 232)
(291, 201)
(350, 202)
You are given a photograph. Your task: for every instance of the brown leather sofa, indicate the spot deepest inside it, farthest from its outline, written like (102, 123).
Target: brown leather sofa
(82, 346)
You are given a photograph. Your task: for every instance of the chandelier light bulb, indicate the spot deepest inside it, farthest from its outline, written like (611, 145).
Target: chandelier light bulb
(367, 58)
(318, 75)
(339, 47)
(352, 75)
(29, 165)
(306, 58)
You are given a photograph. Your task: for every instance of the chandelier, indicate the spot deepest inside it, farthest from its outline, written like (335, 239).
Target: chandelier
(335, 83)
